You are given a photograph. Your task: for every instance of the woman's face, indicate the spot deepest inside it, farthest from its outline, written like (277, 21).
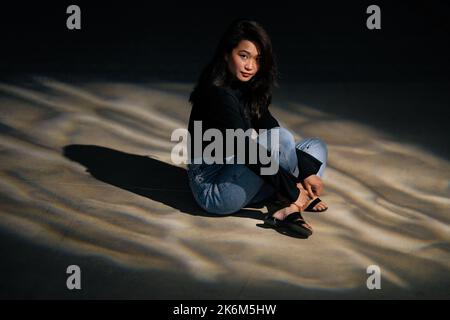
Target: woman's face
(243, 61)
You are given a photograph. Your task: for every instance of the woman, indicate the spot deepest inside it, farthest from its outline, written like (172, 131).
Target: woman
(234, 91)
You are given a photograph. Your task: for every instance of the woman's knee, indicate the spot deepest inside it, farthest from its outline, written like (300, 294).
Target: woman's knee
(313, 144)
(226, 202)
(320, 144)
(317, 148)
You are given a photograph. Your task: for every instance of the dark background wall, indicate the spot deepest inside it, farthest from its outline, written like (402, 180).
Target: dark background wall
(314, 41)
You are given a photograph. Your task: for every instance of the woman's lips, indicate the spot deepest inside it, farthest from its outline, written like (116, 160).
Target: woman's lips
(246, 74)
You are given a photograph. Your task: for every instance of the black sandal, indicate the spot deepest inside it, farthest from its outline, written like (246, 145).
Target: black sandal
(293, 221)
(313, 204)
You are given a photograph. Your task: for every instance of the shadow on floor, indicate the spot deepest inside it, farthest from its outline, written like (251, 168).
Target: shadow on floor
(144, 176)
(150, 178)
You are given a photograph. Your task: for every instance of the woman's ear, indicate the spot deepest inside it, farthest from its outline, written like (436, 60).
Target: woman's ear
(225, 56)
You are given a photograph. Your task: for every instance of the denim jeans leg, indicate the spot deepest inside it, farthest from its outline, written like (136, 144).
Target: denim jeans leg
(228, 188)
(286, 146)
(232, 189)
(287, 158)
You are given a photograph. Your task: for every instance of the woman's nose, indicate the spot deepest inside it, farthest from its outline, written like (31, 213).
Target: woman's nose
(249, 66)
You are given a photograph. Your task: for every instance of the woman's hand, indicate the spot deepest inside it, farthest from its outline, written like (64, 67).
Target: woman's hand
(303, 199)
(313, 185)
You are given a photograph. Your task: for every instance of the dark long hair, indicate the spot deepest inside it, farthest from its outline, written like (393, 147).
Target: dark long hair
(258, 90)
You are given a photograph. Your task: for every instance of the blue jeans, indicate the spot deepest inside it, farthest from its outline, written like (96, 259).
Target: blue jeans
(227, 188)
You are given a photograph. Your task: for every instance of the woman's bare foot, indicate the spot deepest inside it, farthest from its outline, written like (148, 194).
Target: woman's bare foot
(321, 206)
(303, 203)
(284, 212)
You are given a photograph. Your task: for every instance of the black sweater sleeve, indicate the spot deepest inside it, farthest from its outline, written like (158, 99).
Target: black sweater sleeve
(266, 121)
(307, 164)
(227, 114)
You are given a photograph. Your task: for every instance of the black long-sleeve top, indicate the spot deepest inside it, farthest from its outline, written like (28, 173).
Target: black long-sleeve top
(223, 108)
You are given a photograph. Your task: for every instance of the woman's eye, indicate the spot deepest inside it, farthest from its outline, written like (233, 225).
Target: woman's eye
(243, 56)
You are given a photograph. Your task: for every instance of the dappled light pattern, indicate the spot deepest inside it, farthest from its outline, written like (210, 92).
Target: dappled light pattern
(86, 168)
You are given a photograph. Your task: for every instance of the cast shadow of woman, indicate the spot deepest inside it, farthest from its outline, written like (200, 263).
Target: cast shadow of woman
(147, 177)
